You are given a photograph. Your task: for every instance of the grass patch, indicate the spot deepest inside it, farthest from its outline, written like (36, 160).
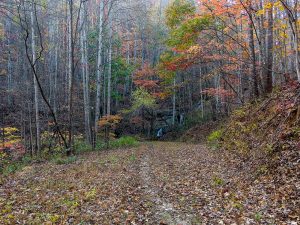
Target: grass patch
(8, 167)
(132, 157)
(258, 216)
(64, 160)
(110, 160)
(125, 141)
(11, 168)
(81, 146)
(217, 181)
(213, 140)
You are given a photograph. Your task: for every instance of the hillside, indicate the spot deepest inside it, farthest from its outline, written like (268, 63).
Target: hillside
(261, 141)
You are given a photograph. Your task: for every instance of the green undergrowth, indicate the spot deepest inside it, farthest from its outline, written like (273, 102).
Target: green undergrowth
(214, 139)
(123, 142)
(9, 166)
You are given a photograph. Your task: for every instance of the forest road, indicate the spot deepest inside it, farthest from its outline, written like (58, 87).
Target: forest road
(166, 183)
(164, 211)
(178, 180)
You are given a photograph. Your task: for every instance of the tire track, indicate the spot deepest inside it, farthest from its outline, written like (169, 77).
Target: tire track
(164, 211)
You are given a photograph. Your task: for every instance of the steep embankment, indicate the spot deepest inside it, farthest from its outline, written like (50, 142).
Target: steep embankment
(262, 141)
(260, 144)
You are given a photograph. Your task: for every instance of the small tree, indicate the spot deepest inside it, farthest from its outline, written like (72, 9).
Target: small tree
(144, 105)
(108, 123)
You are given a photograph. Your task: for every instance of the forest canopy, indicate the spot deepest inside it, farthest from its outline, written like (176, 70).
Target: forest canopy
(67, 64)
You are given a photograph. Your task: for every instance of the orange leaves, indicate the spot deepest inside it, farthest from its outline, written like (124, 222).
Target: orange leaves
(145, 77)
(231, 67)
(219, 92)
(147, 84)
(161, 95)
(109, 120)
(145, 72)
(221, 7)
(171, 66)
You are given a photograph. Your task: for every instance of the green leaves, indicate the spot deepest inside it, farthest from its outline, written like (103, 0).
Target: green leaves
(142, 98)
(213, 139)
(184, 24)
(186, 35)
(120, 69)
(178, 11)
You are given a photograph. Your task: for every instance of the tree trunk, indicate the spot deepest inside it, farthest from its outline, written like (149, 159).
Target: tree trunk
(70, 75)
(9, 62)
(174, 102)
(85, 75)
(36, 89)
(201, 94)
(262, 46)
(253, 60)
(108, 112)
(269, 82)
(99, 73)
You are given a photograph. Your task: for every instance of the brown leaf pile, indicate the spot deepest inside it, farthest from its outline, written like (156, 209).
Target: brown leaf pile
(156, 183)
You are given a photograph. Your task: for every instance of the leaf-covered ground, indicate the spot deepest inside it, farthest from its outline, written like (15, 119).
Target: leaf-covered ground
(156, 183)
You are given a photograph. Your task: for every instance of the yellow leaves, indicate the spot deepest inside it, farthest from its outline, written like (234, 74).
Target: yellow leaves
(260, 12)
(109, 120)
(279, 6)
(71, 203)
(283, 26)
(7, 209)
(91, 194)
(10, 130)
(54, 218)
(195, 49)
(268, 5)
(283, 34)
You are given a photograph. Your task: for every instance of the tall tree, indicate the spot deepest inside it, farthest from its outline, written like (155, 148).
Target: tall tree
(269, 80)
(36, 88)
(99, 69)
(85, 73)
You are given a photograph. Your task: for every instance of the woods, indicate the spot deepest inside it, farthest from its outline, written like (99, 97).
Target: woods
(149, 112)
(85, 59)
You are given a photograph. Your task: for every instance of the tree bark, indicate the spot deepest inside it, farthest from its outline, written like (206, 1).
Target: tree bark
(99, 72)
(108, 112)
(269, 80)
(85, 74)
(36, 91)
(70, 75)
(174, 102)
(253, 60)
